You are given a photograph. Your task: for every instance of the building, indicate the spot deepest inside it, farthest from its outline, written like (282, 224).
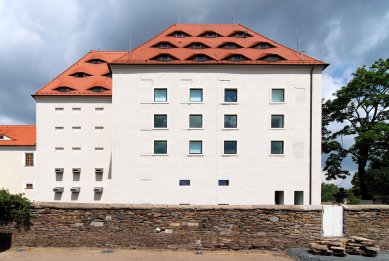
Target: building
(200, 114)
(17, 160)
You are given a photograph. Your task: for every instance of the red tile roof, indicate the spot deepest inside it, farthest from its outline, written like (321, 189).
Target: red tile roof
(20, 135)
(81, 85)
(194, 33)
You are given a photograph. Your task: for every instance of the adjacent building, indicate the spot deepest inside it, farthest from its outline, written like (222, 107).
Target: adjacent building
(201, 114)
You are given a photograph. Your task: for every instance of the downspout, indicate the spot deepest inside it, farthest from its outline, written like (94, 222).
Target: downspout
(310, 135)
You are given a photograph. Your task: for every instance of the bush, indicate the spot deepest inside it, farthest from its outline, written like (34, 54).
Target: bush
(14, 209)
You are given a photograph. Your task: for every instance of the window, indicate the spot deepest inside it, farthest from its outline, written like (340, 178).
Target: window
(160, 121)
(230, 147)
(99, 108)
(76, 148)
(99, 148)
(29, 185)
(76, 127)
(76, 109)
(279, 198)
(59, 109)
(160, 147)
(184, 182)
(230, 121)
(224, 182)
(277, 95)
(96, 61)
(63, 89)
(1, 137)
(59, 128)
(98, 89)
(195, 147)
(160, 95)
(277, 121)
(99, 127)
(299, 197)
(195, 121)
(29, 159)
(277, 147)
(230, 95)
(196, 95)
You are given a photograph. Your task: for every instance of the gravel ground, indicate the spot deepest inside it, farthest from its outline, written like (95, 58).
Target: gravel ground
(303, 255)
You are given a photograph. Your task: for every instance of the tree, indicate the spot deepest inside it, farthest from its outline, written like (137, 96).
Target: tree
(328, 191)
(361, 108)
(14, 208)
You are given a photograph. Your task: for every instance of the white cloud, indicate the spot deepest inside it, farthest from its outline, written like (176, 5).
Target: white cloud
(330, 85)
(5, 120)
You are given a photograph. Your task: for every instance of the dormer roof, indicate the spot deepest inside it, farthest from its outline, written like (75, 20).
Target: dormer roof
(17, 135)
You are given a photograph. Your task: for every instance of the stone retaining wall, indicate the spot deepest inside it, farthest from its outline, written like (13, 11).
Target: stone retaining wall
(191, 227)
(171, 227)
(368, 221)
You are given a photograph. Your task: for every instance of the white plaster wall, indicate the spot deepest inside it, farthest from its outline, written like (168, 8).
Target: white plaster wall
(87, 138)
(254, 174)
(14, 174)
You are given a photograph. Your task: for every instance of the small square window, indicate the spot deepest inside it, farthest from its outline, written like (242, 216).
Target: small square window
(29, 159)
(230, 147)
(160, 147)
(224, 182)
(195, 147)
(277, 95)
(160, 95)
(277, 121)
(279, 198)
(29, 185)
(230, 95)
(230, 121)
(195, 121)
(184, 182)
(277, 147)
(160, 121)
(196, 95)
(1, 137)
(299, 197)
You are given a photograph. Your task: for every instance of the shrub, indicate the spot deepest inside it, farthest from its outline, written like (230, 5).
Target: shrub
(14, 208)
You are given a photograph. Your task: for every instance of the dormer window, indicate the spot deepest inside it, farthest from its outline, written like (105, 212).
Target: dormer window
(197, 45)
(164, 45)
(272, 58)
(236, 58)
(109, 75)
(164, 58)
(240, 34)
(210, 34)
(96, 61)
(179, 34)
(230, 46)
(263, 45)
(80, 75)
(200, 58)
(63, 89)
(1, 137)
(98, 89)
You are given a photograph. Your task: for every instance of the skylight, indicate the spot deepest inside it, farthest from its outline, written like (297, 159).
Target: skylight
(272, 58)
(164, 45)
(98, 89)
(80, 75)
(210, 34)
(230, 45)
(63, 89)
(164, 57)
(96, 61)
(109, 75)
(236, 58)
(240, 34)
(179, 34)
(200, 58)
(263, 45)
(197, 45)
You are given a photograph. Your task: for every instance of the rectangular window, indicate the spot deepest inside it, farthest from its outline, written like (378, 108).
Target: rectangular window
(76, 127)
(277, 95)
(230, 95)
(195, 147)
(230, 147)
(76, 109)
(195, 121)
(279, 198)
(59, 128)
(299, 197)
(160, 95)
(230, 121)
(99, 148)
(277, 147)
(160, 147)
(59, 109)
(59, 148)
(196, 95)
(184, 182)
(224, 182)
(99, 127)
(99, 108)
(76, 148)
(277, 121)
(29, 159)
(160, 121)
(29, 185)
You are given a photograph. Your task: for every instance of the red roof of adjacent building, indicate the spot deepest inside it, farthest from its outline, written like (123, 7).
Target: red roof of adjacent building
(95, 71)
(177, 47)
(17, 135)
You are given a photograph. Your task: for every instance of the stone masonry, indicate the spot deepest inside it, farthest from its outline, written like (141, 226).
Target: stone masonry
(171, 227)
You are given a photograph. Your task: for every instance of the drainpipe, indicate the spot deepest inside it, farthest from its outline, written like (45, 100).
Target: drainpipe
(310, 135)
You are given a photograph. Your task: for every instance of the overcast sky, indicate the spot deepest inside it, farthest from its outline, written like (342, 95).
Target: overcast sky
(41, 38)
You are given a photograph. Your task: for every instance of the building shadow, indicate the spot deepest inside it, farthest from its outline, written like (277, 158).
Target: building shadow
(5, 241)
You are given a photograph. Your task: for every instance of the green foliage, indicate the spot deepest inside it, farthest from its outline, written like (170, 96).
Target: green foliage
(377, 182)
(328, 191)
(361, 108)
(14, 208)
